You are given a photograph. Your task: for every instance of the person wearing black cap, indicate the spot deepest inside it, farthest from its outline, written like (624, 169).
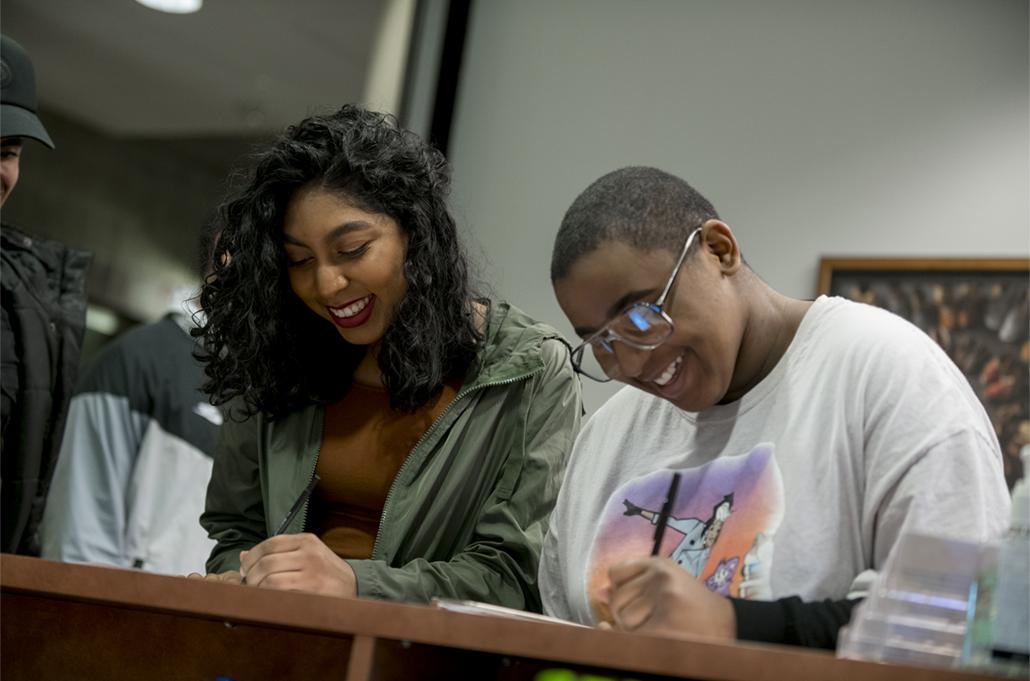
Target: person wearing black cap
(44, 314)
(19, 112)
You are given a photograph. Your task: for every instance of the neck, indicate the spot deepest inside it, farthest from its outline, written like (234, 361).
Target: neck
(772, 320)
(367, 372)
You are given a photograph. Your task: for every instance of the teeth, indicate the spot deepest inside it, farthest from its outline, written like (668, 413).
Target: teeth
(669, 372)
(352, 309)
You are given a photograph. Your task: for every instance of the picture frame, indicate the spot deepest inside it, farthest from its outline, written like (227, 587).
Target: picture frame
(976, 309)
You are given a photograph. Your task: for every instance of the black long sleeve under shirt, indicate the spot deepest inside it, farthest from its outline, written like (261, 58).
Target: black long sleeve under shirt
(791, 621)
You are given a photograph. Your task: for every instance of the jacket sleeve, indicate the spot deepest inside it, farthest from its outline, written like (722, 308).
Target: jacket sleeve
(234, 513)
(87, 507)
(9, 384)
(499, 565)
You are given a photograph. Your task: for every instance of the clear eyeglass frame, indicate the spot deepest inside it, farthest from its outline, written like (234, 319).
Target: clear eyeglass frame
(641, 325)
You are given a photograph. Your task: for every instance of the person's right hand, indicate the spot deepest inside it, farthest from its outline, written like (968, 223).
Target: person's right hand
(657, 596)
(230, 576)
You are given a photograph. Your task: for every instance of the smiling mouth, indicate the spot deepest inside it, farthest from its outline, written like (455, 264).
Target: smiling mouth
(354, 313)
(663, 379)
(350, 309)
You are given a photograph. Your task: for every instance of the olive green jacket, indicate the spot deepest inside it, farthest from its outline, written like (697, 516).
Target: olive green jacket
(468, 510)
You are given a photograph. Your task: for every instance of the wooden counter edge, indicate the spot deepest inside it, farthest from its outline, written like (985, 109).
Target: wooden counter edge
(430, 626)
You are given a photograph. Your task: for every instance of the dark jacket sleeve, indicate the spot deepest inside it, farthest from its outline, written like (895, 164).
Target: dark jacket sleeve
(791, 621)
(9, 392)
(234, 515)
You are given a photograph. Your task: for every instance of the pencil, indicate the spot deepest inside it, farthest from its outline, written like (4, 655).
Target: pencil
(663, 515)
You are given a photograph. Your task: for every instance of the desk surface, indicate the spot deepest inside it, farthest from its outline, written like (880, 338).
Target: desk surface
(100, 621)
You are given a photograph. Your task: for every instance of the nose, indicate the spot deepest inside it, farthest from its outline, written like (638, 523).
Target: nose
(329, 281)
(629, 361)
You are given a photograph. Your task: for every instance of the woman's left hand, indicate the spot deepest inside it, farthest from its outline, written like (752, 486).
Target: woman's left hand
(298, 562)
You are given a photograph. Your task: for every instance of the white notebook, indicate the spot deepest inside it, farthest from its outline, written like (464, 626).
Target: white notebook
(477, 608)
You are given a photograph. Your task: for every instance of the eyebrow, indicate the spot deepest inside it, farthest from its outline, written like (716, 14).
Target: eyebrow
(617, 307)
(334, 234)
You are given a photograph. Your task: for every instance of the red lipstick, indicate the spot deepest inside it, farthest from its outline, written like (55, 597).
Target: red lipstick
(355, 321)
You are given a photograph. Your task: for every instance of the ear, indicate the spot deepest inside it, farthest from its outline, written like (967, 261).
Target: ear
(717, 240)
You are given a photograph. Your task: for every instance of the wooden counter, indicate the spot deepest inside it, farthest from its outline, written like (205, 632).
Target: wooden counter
(61, 621)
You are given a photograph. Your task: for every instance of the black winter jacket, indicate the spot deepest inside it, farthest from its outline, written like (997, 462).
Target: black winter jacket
(44, 318)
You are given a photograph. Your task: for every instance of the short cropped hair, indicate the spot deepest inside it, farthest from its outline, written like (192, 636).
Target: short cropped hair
(643, 207)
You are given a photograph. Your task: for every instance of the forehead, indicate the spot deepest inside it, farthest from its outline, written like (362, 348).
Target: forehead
(315, 202)
(312, 211)
(600, 279)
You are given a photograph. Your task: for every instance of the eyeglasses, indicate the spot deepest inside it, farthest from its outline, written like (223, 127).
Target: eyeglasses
(643, 326)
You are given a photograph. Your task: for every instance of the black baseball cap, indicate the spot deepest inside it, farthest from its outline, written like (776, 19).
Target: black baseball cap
(18, 95)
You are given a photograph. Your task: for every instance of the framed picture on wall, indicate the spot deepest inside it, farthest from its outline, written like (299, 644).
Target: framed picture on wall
(977, 310)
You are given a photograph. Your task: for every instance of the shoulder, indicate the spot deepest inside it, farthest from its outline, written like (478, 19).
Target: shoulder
(892, 367)
(19, 245)
(157, 336)
(849, 322)
(509, 324)
(850, 333)
(144, 353)
(628, 414)
(627, 436)
(515, 339)
(243, 429)
(148, 343)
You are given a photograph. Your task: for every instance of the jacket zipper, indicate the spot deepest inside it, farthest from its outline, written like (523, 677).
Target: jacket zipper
(311, 476)
(460, 396)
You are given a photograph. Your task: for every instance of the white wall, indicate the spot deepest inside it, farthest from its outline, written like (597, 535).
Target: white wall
(816, 127)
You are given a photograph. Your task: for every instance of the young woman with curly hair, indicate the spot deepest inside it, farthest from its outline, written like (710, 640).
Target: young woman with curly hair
(341, 324)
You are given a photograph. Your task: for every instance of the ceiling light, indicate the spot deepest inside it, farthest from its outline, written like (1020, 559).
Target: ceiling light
(173, 6)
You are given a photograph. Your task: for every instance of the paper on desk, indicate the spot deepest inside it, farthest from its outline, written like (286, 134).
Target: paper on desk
(477, 608)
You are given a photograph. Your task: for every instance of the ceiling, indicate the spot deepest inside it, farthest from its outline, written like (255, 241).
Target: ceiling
(236, 67)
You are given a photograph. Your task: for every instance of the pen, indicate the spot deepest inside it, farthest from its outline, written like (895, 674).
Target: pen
(663, 515)
(297, 505)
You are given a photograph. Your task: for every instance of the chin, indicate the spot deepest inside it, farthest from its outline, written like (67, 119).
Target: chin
(691, 400)
(361, 336)
(692, 404)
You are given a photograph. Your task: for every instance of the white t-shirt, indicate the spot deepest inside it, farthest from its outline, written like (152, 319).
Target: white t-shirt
(863, 430)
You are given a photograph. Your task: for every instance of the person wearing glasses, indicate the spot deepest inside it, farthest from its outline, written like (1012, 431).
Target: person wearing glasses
(835, 426)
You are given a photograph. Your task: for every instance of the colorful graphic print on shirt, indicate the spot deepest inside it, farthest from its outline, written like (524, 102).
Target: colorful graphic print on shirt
(720, 530)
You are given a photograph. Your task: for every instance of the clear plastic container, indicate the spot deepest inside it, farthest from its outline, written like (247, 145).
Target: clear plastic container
(916, 612)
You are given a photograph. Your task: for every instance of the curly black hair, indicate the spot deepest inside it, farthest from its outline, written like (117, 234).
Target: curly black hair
(263, 345)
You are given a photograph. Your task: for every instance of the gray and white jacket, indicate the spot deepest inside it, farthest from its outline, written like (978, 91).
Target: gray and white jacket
(135, 459)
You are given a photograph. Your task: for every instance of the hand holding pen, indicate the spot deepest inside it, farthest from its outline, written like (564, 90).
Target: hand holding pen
(238, 576)
(297, 562)
(297, 505)
(656, 595)
(290, 515)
